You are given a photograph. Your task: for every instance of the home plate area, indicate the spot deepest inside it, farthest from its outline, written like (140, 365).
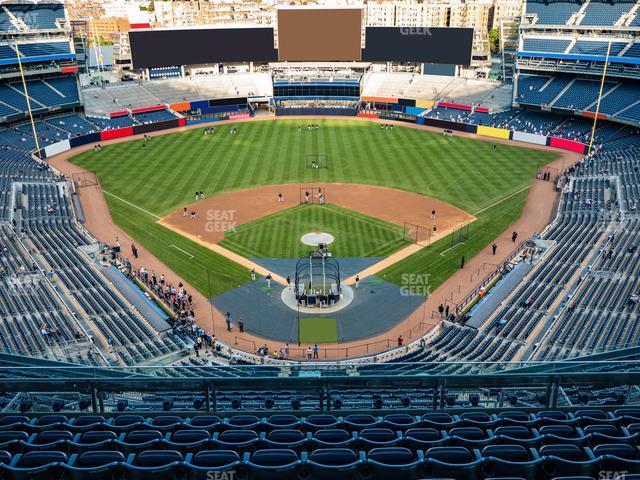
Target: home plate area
(376, 307)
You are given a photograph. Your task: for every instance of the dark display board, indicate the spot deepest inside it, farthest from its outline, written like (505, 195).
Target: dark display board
(166, 48)
(319, 35)
(430, 45)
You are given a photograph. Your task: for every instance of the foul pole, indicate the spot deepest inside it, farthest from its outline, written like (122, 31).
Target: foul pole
(595, 118)
(26, 94)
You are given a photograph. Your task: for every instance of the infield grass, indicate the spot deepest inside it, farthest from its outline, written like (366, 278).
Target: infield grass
(278, 235)
(164, 176)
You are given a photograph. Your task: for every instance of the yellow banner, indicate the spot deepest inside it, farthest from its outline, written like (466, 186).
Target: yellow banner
(493, 132)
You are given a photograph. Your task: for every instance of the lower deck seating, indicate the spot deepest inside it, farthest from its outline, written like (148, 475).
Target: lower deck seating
(476, 445)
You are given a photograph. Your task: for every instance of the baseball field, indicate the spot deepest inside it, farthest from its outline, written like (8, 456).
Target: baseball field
(142, 184)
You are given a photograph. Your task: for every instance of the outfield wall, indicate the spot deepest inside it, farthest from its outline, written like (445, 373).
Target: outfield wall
(524, 137)
(494, 132)
(408, 110)
(529, 138)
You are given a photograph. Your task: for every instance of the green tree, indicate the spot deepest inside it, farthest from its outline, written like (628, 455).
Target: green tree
(494, 40)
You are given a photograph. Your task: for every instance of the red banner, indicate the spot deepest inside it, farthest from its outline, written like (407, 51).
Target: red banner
(565, 144)
(120, 113)
(117, 133)
(457, 106)
(73, 69)
(154, 108)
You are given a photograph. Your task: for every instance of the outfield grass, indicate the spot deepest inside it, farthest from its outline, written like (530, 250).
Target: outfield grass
(317, 330)
(465, 172)
(278, 235)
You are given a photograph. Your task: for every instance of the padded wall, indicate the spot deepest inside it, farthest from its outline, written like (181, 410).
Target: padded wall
(56, 148)
(154, 127)
(565, 144)
(116, 133)
(494, 132)
(529, 138)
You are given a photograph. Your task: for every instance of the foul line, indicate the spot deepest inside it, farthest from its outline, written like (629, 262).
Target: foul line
(502, 200)
(181, 250)
(132, 205)
(450, 248)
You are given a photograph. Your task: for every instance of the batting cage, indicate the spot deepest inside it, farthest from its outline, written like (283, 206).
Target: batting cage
(317, 161)
(313, 195)
(84, 179)
(416, 233)
(460, 235)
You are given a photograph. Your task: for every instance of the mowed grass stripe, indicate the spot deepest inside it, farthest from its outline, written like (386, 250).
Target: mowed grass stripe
(278, 235)
(165, 175)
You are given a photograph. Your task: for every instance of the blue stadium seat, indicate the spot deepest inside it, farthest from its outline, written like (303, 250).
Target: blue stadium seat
(394, 462)
(98, 465)
(452, 462)
(205, 462)
(334, 464)
(155, 465)
(332, 437)
(504, 460)
(36, 465)
(563, 460)
(273, 464)
(618, 458)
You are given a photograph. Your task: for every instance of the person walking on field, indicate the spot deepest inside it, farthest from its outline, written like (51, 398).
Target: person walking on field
(227, 319)
(494, 247)
(433, 214)
(241, 326)
(357, 281)
(514, 236)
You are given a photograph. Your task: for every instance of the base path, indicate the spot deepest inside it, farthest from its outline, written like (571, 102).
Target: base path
(219, 213)
(243, 206)
(537, 213)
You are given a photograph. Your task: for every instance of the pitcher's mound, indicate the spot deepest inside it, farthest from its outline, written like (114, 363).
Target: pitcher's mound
(316, 238)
